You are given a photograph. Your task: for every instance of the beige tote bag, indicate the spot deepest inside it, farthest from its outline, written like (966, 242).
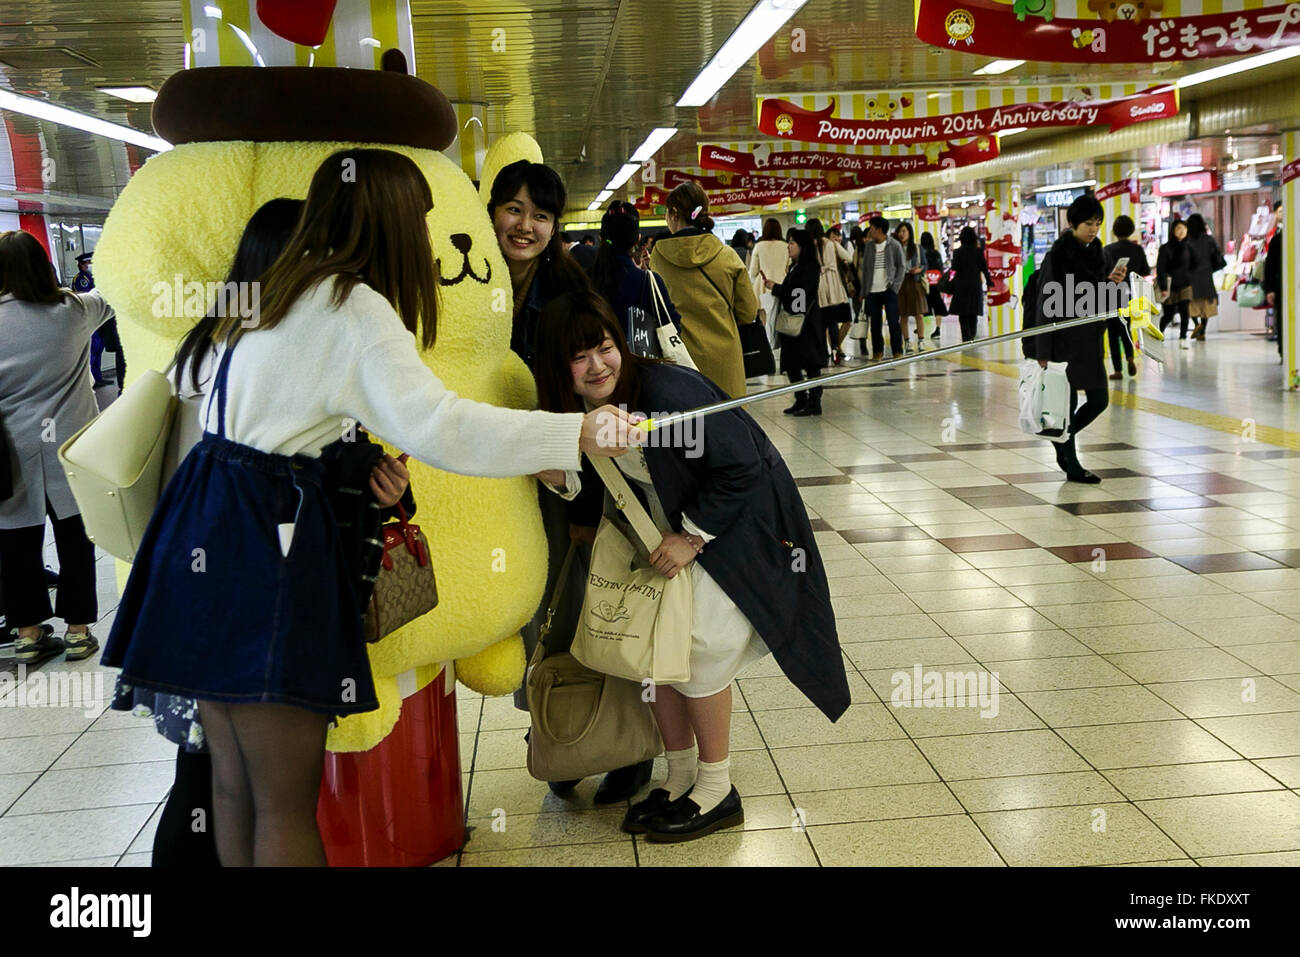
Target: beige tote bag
(635, 622)
(583, 722)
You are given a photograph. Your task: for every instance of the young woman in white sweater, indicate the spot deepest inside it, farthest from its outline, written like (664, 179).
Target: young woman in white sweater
(239, 595)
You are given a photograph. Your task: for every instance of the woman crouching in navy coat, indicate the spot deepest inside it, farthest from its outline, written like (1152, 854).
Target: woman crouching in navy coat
(740, 532)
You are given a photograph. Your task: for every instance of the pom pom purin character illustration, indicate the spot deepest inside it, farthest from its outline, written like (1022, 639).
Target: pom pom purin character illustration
(960, 26)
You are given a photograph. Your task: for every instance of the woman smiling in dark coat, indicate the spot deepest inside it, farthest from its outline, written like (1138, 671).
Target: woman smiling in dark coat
(739, 529)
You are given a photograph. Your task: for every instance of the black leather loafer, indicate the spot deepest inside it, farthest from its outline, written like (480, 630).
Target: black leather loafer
(684, 822)
(639, 815)
(621, 783)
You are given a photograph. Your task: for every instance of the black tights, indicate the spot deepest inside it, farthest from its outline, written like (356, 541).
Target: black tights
(1182, 310)
(184, 836)
(1094, 404)
(267, 761)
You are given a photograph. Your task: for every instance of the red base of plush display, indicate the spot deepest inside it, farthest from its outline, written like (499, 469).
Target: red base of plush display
(400, 803)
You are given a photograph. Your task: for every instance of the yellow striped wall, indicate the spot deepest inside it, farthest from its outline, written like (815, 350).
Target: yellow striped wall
(1290, 319)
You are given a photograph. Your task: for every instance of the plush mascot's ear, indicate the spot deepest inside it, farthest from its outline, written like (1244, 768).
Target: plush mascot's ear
(509, 149)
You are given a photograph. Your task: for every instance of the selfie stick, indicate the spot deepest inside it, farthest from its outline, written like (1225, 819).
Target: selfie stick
(649, 425)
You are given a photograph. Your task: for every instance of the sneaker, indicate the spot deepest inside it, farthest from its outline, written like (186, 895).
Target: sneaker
(921, 346)
(81, 645)
(1184, 344)
(935, 334)
(31, 651)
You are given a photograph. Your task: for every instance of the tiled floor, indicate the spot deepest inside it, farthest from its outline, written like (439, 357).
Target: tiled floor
(1145, 634)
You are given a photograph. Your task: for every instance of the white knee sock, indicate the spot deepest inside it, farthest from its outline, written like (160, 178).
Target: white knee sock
(681, 771)
(712, 784)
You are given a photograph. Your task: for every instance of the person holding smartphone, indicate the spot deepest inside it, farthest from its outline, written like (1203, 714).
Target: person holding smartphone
(1123, 252)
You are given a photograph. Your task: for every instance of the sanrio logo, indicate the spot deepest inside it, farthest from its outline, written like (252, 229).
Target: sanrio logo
(1146, 110)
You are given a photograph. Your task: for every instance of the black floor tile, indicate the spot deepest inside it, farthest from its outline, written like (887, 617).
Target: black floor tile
(824, 480)
(1230, 562)
(1100, 508)
(1287, 556)
(903, 533)
(874, 469)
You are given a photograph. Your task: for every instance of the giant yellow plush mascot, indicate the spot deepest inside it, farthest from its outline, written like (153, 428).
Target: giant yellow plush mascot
(247, 135)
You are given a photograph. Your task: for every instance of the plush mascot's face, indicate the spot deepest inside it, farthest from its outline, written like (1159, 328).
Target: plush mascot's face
(182, 215)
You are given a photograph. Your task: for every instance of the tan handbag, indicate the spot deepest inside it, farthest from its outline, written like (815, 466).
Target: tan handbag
(635, 622)
(405, 588)
(583, 722)
(115, 464)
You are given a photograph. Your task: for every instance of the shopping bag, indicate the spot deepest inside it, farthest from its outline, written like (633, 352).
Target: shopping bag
(671, 346)
(756, 350)
(788, 323)
(1045, 400)
(635, 623)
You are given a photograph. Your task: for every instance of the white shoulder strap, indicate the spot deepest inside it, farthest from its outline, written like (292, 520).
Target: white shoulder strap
(662, 316)
(627, 503)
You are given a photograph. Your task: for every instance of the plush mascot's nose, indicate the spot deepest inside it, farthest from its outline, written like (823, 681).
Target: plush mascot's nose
(462, 242)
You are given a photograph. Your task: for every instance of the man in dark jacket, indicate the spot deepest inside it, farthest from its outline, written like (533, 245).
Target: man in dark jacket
(1273, 279)
(1123, 248)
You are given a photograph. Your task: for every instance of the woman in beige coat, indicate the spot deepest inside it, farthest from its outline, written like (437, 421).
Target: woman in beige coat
(770, 260)
(709, 286)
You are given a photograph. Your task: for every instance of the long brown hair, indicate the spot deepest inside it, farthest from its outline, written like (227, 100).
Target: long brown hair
(572, 323)
(363, 222)
(26, 272)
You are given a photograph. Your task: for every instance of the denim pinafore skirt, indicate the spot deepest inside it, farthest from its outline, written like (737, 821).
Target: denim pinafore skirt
(240, 590)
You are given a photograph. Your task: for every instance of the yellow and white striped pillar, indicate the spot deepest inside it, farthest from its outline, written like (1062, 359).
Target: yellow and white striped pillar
(1006, 201)
(229, 33)
(1289, 320)
(1121, 204)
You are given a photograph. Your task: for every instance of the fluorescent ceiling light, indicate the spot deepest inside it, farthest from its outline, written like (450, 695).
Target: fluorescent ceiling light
(1176, 171)
(651, 144)
(135, 94)
(603, 195)
(975, 198)
(622, 176)
(213, 11)
(998, 66)
(757, 28)
(1013, 131)
(898, 209)
(42, 110)
(1240, 66)
(247, 41)
(1055, 186)
(593, 207)
(1275, 158)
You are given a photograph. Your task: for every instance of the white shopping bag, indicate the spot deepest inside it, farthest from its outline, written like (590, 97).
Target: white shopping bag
(1045, 400)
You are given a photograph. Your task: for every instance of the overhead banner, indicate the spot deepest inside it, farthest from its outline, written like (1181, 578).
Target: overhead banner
(937, 156)
(1290, 171)
(1107, 31)
(787, 185)
(1131, 185)
(783, 119)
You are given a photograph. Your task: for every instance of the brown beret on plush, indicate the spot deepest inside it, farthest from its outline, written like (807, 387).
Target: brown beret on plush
(292, 103)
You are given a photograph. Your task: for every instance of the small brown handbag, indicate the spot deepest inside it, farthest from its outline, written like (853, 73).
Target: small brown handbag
(405, 588)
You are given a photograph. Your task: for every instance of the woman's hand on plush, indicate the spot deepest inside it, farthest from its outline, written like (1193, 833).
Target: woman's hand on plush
(674, 553)
(389, 479)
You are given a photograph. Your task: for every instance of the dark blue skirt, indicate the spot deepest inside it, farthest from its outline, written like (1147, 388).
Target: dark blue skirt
(215, 610)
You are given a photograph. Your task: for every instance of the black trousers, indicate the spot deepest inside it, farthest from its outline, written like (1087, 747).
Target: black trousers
(1114, 330)
(968, 325)
(886, 302)
(1182, 310)
(22, 574)
(1094, 404)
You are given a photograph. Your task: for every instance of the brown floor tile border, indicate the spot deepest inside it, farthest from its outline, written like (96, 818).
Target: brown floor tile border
(1107, 447)
(1287, 556)
(1021, 444)
(1030, 478)
(1117, 473)
(986, 543)
(1113, 550)
(1261, 454)
(862, 536)
(1211, 483)
(922, 457)
(1171, 502)
(873, 469)
(811, 480)
(820, 525)
(1185, 450)
(1101, 508)
(1229, 562)
(972, 447)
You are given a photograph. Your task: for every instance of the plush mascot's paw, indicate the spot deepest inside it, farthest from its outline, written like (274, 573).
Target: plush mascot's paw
(496, 670)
